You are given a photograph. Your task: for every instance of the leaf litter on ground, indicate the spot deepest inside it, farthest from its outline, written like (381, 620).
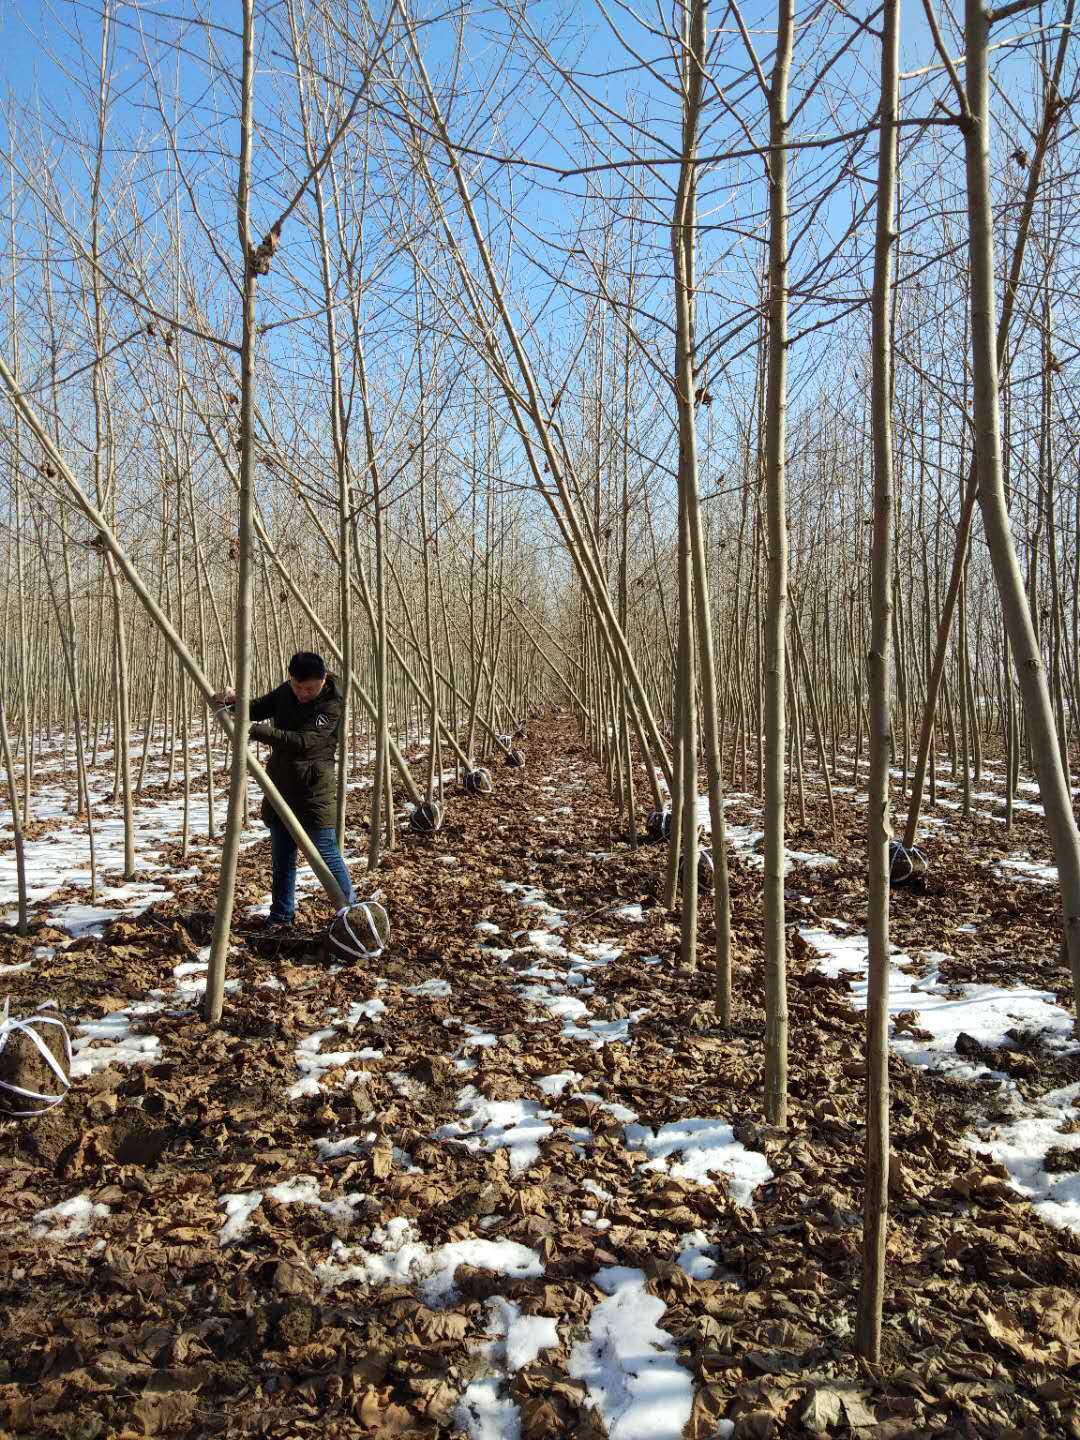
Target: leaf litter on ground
(528, 1190)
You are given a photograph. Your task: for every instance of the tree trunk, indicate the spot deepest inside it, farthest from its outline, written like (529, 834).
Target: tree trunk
(876, 1195)
(234, 824)
(683, 254)
(1051, 112)
(776, 1016)
(1031, 675)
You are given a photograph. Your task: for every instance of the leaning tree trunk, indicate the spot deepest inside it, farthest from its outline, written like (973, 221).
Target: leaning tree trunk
(104, 440)
(234, 824)
(1031, 675)
(184, 658)
(876, 1198)
(1052, 109)
(682, 244)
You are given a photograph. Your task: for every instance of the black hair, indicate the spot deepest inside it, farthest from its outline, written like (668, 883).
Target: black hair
(306, 665)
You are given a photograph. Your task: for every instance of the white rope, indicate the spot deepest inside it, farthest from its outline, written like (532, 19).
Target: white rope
(902, 856)
(361, 952)
(9, 1026)
(427, 817)
(658, 823)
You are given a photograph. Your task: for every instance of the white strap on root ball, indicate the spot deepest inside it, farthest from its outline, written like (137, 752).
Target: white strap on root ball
(359, 932)
(515, 759)
(35, 1062)
(426, 818)
(906, 863)
(706, 869)
(478, 782)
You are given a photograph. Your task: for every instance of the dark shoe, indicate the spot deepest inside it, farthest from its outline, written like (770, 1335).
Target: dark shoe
(272, 924)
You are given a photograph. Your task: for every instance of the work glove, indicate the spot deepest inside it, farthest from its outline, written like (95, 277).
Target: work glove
(265, 732)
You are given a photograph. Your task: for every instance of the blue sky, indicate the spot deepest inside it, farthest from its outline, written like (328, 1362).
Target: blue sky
(29, 27)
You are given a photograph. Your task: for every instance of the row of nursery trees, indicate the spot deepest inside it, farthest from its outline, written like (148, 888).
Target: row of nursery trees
(709, 371)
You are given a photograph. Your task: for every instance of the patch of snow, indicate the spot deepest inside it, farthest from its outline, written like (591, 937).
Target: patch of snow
(1027, 869)
(476, 1039)
(189, 967)
(331, 1149)
(606, 1032)
(239, 1209)
(433, 989)
(545, 942)
(556, 1084)
(601, 952)
(516, 1126)
(562, 1007)
(707, 1148)
(68, 1220)
(694, 1258)
(300, 1190)
(633, 914)
(630, 1365)
(533, 898)
(985, 1012)
(121, 1046)
(313, 1062)
(744, 840)
(485, 1414)
(622, 1113)
(363, 1010)
(522, 1337)
(400, 1257)
(811, 858)
(79, 920)
(1021, 1147)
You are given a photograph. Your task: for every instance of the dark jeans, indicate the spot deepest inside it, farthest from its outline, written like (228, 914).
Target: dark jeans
(283, 852)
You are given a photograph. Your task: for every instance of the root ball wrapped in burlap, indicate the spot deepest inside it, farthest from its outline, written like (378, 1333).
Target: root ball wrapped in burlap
(478, 782)
(515, 759)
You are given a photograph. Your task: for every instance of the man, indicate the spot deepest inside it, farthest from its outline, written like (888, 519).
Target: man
(300, 721)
